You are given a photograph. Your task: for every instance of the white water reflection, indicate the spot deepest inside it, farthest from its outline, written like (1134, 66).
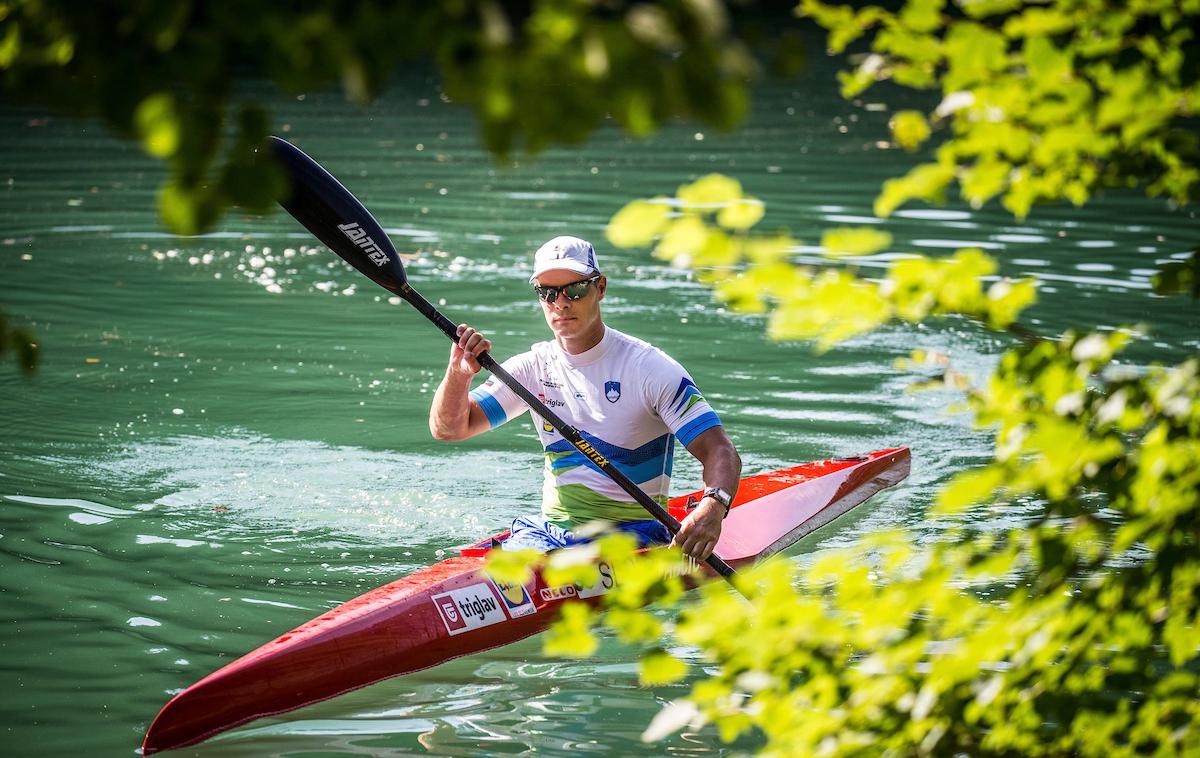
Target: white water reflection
(1033, 239)
(839, 218)
(1095, 280)
(932, 214)
(233, 482)
(956, 244)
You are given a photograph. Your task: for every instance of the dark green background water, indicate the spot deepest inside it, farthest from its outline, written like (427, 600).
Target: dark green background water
(227, 434)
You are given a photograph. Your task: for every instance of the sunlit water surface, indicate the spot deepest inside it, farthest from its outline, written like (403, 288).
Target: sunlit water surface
(227, 435)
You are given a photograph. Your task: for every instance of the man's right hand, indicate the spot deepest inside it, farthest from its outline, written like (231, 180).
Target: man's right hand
(453, 415)
(462, 354)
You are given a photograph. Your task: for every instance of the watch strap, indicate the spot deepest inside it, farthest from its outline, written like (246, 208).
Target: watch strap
(721, 496)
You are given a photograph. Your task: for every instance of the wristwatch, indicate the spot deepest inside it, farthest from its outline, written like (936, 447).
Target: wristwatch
(721, 496)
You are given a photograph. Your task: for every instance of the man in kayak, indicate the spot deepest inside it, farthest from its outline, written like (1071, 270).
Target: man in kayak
(629, 399)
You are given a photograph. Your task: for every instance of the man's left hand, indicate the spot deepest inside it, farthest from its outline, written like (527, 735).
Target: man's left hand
(699, 532)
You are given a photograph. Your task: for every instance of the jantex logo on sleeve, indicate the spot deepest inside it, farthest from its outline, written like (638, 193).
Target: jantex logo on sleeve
(467, 608)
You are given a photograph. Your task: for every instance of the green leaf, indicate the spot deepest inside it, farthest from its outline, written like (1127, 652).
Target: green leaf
(831, 308)
(633, 625)
(741, 214)
(10, 46)
(658, 667)
(575, 565)
(845, 25)
(1180, 277)
(158, 125)
(1038, 22)
(909, 129)
(862, 240)
(924, 182)
(570, 635)
(683, 238)
(179, 208)
(718, 250)
(637, 224)
(1048, 66)
(711, 191)
(513, 566)
(970, 488)
(922, 15)
(976, 54)
(21, 340)
(984, 180)
(768, 250)
(1006, 299)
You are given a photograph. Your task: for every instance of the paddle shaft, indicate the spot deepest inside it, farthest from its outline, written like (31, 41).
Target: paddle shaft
(568, 432)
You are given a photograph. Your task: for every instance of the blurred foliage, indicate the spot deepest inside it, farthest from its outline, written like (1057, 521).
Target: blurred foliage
(1079, 633)
(1040, 101)
(706, 226)
(535, 74)
(1180, 277)
(21, 342)
(655, 576)
(1075, 635)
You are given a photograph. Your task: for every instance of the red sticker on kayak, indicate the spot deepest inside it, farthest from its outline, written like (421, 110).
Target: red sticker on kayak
(467, 608)
(565, 592)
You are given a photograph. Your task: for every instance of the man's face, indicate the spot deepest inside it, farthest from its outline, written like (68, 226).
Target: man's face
(571, 318)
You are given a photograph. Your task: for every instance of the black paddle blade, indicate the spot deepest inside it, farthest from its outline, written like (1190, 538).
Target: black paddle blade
(327, 209)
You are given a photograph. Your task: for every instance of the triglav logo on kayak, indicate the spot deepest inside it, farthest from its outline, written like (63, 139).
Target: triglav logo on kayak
(358, 236)
(612, 391)
(468, 608)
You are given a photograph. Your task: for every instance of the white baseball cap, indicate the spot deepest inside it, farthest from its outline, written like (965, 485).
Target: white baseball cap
(570, 253)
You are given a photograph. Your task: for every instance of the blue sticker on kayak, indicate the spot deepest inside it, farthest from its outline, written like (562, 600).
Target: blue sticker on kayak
(516, 599)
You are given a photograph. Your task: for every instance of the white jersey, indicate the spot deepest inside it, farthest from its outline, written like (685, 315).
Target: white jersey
(629, 399)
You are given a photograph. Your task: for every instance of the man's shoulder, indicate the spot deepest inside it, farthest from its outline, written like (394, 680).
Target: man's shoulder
(654, 366)
(522, 361)
(650, 355)
(539, 350)
(636, 345)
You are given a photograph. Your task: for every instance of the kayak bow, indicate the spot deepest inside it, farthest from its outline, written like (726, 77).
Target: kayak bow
(453, 608)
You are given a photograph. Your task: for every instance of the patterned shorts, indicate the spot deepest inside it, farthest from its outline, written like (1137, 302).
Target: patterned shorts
(544, 536)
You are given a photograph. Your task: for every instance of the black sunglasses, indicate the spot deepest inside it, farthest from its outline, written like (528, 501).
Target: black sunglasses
(573, 291)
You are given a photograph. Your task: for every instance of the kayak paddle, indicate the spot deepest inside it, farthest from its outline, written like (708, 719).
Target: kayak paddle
(328, 210)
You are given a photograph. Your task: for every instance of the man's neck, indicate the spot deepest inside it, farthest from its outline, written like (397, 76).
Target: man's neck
(583, 342)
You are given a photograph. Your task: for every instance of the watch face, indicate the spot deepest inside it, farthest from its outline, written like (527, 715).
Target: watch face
(720, 495)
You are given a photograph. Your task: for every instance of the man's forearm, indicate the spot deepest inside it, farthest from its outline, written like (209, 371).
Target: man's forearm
(722, 467)
(450, 414)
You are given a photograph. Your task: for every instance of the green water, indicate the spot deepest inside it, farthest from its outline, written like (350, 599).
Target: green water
(213, 453)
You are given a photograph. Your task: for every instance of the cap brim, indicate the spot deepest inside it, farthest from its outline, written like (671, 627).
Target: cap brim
(564, 265)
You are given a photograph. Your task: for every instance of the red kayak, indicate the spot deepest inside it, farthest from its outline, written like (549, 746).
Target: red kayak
(453, 608)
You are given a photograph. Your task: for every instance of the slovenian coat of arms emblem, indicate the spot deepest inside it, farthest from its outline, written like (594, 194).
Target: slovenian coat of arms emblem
(612, 391)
